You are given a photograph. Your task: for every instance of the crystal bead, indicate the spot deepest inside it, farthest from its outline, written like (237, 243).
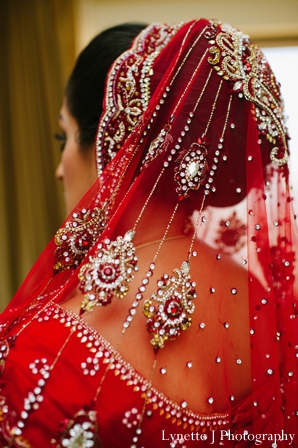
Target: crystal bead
(185, 268)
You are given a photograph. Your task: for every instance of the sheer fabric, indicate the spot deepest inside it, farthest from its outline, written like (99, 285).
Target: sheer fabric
(166, 305)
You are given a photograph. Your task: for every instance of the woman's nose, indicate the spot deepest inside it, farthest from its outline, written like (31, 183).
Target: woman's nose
(59, 171)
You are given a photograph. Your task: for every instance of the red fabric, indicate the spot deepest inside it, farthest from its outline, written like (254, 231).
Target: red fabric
(214, 118)
(69, 386)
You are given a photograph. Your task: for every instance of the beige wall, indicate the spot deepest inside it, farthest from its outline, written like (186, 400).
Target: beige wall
(263, 20)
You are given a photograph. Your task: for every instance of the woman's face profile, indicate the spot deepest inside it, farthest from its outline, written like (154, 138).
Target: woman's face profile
(77, 168)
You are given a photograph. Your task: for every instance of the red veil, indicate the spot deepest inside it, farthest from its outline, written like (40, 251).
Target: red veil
(187, 243)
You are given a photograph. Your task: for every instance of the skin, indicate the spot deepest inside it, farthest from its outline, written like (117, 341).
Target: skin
(77, 168)
(196, 345)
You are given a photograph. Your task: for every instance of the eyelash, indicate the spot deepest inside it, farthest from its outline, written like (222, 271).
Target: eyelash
(62, 139)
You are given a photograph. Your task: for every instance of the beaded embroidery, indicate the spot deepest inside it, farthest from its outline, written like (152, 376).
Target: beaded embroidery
(236, 59)
(156, 401)
(231, 234)
(81, 431)
(128, 87)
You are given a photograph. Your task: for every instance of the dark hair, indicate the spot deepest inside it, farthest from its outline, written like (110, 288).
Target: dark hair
(85, 88)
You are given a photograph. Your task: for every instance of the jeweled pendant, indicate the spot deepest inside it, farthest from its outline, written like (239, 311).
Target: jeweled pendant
(279, 156)
(174, 305)
(158, 146)
(76, 238)
(192, 169)
(108, 273)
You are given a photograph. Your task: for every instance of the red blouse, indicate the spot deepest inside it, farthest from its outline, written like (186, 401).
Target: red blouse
(71, 388)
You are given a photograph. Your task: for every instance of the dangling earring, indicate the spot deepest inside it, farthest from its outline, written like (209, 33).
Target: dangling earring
(172, 313)
(76, 238)
(108, 273)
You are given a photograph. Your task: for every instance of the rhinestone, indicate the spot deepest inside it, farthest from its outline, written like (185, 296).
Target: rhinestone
(232, 125)
(275, 223)
(224, 158)
(269, 372)
(232, 398)
(218, 359)
(184, 404)
(189, 364)
(202, 325)
(238, 190)
(252, 331)
(163, 370)
(210, 400)
(234, 291)
(290, 374)
(226, 324)
(212, 290)
(257, 226)
(218, 256)
(249, 158)
(264, 301)
(238, 361)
